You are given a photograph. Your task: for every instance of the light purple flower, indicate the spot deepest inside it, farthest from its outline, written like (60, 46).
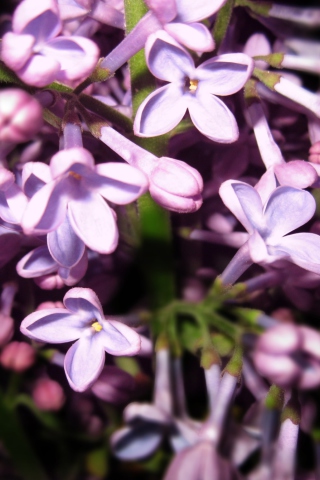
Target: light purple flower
(83, 320)
(107, 12)
(77, 189)
(192, 89)
(268, 224)
(35, 51)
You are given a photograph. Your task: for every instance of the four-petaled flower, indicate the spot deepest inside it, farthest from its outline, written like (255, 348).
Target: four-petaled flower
(83, 320)
(192, 89)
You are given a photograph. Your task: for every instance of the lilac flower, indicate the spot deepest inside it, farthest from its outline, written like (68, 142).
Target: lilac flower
(268, 224)
(35, 51)
(192, 89)
(82, 319)
(76, 190)
(107, 12)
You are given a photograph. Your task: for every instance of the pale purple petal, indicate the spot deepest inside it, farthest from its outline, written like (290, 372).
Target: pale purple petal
(225, 74)
(84, 362)
(287, 209)
(191, 11)
(85, 302)
(136, 443)
(297, 173)
(40, 19)
(10, 242)
(73, 275)
(77, 56)
(55, 325)
(39, 71)
(93, 221)
(64, 245)
(258, 248)
(34, 176)
(16, 49)
(266, 185)
(17, 201)
(120, 183)
(193, 35)
(71, 159)
(250, 202)
(71, 10)
(175, 203)
(161, 111)
(118, 339)
(165, 11)
(5, 212)
(302, 248)
(47, 208)
(166, 59)
(212, 117)
(36, 263)
(230, 199)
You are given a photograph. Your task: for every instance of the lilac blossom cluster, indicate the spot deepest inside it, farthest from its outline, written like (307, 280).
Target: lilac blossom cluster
(162, 159)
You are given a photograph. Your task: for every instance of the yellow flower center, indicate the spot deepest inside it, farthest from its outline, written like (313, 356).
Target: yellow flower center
(96, 327)
(74, 175)
(192, 85)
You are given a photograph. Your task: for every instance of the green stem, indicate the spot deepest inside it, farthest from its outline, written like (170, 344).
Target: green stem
(18, 444)
(222, 22)
(156, 256)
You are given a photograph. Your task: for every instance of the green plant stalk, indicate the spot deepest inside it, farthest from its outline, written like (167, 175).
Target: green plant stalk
(156, 255)
(18, 444)
(222, 22)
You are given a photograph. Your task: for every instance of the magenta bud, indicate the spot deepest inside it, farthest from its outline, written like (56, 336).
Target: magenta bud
(46, 305)
(20, 116)
(17, 356)
(48, 395)
(176, 186)
(6, 329)
(280, 340)
(49, 282)
(314, 153)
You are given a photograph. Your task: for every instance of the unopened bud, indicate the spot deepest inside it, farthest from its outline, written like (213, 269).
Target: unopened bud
(48, 395)
(17, 356)
(20, 116)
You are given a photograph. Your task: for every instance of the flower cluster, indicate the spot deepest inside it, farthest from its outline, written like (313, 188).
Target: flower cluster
(160, 162)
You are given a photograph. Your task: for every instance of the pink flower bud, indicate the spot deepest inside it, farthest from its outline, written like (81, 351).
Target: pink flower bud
(314, 153)
(48, 395)
(6, 329)
(20, 116)
(46, 305)
(176, 186)
(280, 340)
(17, 356)
(49, 282)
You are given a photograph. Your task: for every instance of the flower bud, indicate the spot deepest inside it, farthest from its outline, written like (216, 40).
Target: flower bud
(49, 282)
(46, 305)
(176, 186)
(20, 116)
(314, 153)
(17, 356)
(48, 395)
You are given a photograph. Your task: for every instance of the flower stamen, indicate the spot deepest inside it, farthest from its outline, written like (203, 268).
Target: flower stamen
(74, 175)
(96, 327)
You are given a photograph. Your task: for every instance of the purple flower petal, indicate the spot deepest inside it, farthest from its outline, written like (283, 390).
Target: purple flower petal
(17, 202)
(287, 209)
(36, 263)
(302, 248)
(93, 221)
(71, 159)
(77, 56)
(165, 11)
(118, 339)
(47, 208)
(39, 71)
(55, 325)
(230, 199)
(193, 35)
(84, 362)
(85, 302)
(250, 202)
(71, 276)
(64, 245)
(16, 49)
(212, 117)
(166, 59)
(120, 183)
(191, 11)
(34, 176)
(136, 443)
(161, 111)
(40, 19)
(225, 74)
